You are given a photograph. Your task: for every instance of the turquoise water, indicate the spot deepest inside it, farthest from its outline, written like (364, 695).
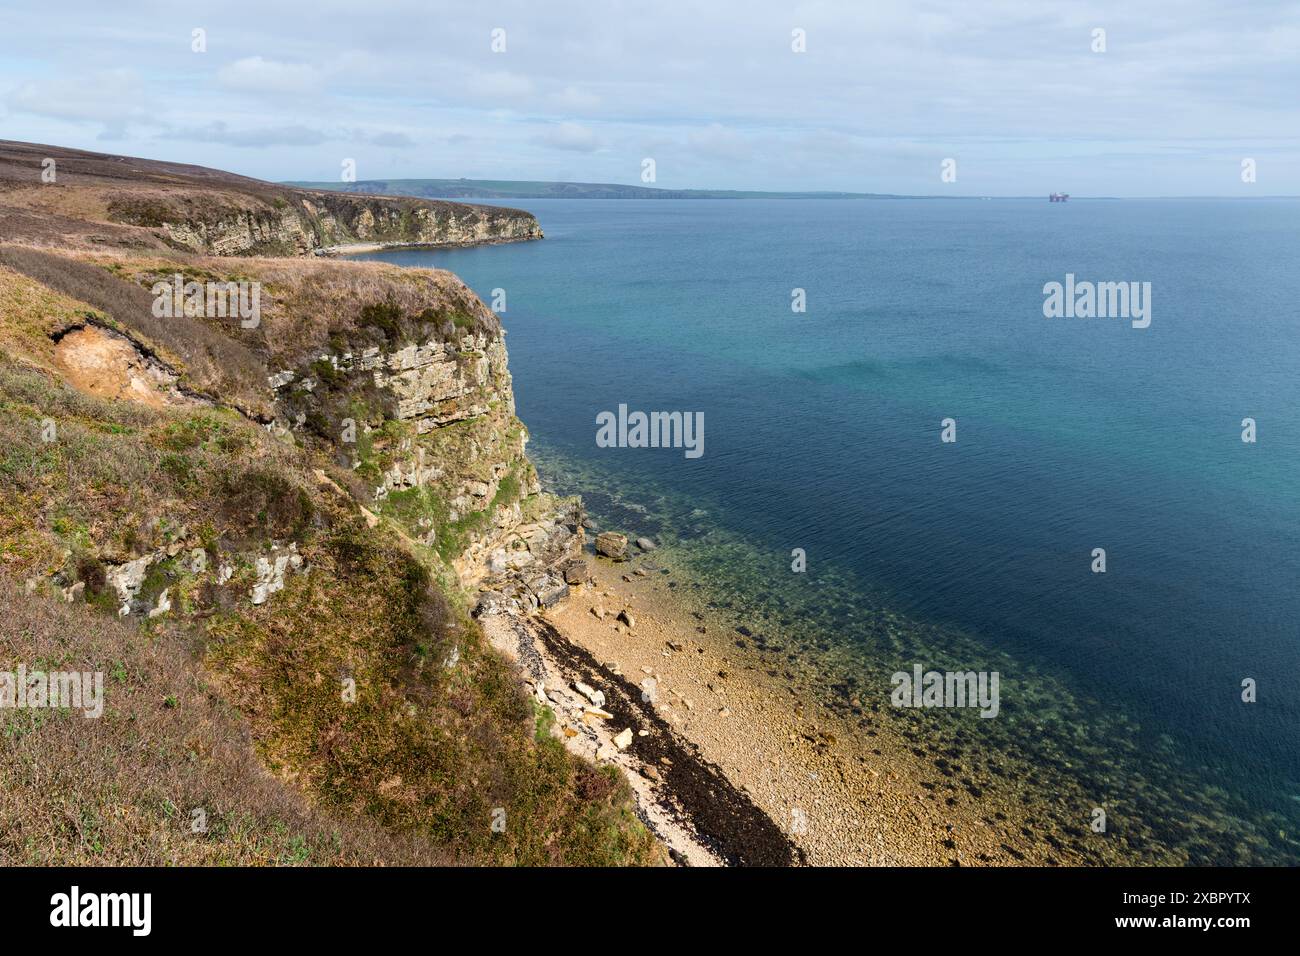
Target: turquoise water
(822, 433)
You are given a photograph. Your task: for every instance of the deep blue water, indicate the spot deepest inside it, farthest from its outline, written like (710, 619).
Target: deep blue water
(822, 428)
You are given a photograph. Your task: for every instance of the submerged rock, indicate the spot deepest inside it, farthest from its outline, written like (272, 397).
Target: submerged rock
(645, 544)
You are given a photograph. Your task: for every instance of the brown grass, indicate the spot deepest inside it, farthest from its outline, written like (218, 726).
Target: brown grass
(122, 789)
(210, 363)
(31, 313)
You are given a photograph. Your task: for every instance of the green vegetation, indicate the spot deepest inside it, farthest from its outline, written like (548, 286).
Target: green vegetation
(413, 769)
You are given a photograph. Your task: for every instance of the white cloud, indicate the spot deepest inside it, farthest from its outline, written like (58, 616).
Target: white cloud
(718, 142)
(114, 97)
(571, 98)
(571, 136)
(498, 85)
(218, 132)
(392, 140)
(255, 74)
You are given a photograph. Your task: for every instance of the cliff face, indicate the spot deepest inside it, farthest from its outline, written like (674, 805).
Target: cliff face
(397, 377)
(342, 218)
(433, 435)
(292, 222)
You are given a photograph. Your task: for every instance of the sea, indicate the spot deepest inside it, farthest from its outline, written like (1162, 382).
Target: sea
(906, 462)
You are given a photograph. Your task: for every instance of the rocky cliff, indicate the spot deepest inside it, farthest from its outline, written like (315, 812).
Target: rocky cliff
(68, 197)
(301, 503)
(294, 222)
(306, 479)
(397, 378)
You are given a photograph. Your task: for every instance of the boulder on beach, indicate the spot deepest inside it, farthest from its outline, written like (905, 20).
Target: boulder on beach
(547, 589)
(575, 572)
(611, 544)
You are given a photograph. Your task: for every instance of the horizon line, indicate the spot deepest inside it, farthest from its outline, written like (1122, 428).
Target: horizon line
(772, 193)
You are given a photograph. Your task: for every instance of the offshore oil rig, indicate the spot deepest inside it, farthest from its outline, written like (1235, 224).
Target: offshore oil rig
(1058, 197)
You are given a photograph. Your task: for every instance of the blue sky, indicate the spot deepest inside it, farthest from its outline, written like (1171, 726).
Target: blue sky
(713, 92)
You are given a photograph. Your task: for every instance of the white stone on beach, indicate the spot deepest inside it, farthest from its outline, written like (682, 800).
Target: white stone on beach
(596, 697)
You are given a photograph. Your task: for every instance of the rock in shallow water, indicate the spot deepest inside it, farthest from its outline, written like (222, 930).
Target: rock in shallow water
(645, 544)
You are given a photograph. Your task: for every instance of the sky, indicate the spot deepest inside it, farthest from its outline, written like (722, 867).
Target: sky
(1024, 97)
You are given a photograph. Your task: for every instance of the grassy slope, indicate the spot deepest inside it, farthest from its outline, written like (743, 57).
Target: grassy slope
(439, 735)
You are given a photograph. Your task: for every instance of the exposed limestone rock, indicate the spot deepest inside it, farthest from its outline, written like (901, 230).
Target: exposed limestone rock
(611, 544)
(127, 579)
(164, 605)
(271, 571)
(299, 222)
(547, 589)
(596, 697)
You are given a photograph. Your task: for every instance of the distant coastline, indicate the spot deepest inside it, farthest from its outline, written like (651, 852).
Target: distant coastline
(510, 189)
(538, 189)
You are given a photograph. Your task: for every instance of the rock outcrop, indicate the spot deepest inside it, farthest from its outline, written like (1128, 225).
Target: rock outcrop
(296, 222)
(96, 200)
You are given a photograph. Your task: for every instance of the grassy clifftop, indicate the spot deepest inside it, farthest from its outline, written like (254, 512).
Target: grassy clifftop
(55, 196)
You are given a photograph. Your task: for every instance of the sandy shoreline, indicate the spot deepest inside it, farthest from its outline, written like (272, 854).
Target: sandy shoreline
(359, 248)
(846, 789)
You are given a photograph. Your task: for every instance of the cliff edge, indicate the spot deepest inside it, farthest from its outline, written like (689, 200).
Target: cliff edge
(50, 195)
